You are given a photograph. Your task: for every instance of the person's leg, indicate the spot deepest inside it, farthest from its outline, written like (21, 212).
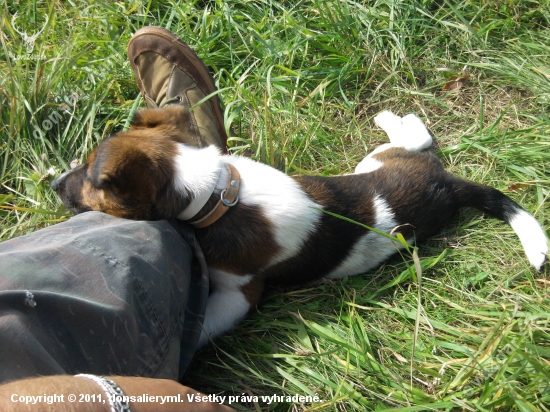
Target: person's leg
(103, 295)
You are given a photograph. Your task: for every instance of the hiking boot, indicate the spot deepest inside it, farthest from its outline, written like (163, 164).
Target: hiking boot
(168, 71)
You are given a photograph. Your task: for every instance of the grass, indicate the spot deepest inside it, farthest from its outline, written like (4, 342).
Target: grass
(466, 327)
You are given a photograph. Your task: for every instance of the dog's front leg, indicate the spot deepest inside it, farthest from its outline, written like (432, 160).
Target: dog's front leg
(231, 298)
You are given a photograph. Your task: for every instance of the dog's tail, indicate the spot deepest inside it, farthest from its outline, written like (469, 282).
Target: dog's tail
(497, 204)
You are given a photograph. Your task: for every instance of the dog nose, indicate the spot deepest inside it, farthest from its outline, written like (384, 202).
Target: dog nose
(55, 183)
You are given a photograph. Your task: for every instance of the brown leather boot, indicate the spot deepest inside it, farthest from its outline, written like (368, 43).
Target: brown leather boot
(168, 71)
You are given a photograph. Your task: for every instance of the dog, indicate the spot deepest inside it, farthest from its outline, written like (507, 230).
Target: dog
(256, 225)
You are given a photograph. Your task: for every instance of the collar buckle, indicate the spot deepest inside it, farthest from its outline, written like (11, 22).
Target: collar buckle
(229, 197)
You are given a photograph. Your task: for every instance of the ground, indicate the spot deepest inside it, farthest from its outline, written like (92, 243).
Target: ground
(460, 324)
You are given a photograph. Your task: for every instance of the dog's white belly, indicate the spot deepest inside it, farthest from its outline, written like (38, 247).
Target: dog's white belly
(371, 249)
(293, 214)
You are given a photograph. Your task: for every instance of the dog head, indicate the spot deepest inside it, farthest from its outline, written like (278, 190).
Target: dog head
(131, 174)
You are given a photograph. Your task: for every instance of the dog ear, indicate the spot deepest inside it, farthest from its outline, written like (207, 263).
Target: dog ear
(120, 168)
(174, 115)
(146, 119)
(104, 169)
(102, 180)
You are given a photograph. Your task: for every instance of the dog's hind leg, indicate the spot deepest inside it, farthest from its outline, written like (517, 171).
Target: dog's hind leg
(408, 132)
(419, 138)
(393, 126)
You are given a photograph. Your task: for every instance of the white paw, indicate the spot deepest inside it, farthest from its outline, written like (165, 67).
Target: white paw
(408, 132)
(419, 137)
(392, 125)
(385, 118)
(227, 305)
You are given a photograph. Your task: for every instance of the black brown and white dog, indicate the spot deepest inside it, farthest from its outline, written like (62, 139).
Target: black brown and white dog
(275, 229)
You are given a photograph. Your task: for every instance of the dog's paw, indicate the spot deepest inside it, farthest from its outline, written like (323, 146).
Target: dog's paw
(391, 124)
(418, 136)
(386, 118)
(408, 132)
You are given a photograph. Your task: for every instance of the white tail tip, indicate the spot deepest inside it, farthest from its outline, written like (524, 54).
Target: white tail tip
(532, 238)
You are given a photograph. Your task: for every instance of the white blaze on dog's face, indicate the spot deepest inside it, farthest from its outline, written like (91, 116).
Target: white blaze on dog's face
(131, 174)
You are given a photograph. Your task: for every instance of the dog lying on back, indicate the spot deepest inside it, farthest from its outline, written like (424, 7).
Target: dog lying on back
(255, 224)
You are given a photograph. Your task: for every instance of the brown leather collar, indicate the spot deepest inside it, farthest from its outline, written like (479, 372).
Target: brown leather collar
(229, 197)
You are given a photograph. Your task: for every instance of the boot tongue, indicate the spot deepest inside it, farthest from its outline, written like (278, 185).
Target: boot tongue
(155, 75)
(166, 82)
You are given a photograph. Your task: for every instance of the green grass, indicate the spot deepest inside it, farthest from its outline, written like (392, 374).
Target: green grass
(301, 83)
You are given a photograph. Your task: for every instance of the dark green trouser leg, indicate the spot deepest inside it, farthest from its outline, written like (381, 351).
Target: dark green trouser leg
(102, 295)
